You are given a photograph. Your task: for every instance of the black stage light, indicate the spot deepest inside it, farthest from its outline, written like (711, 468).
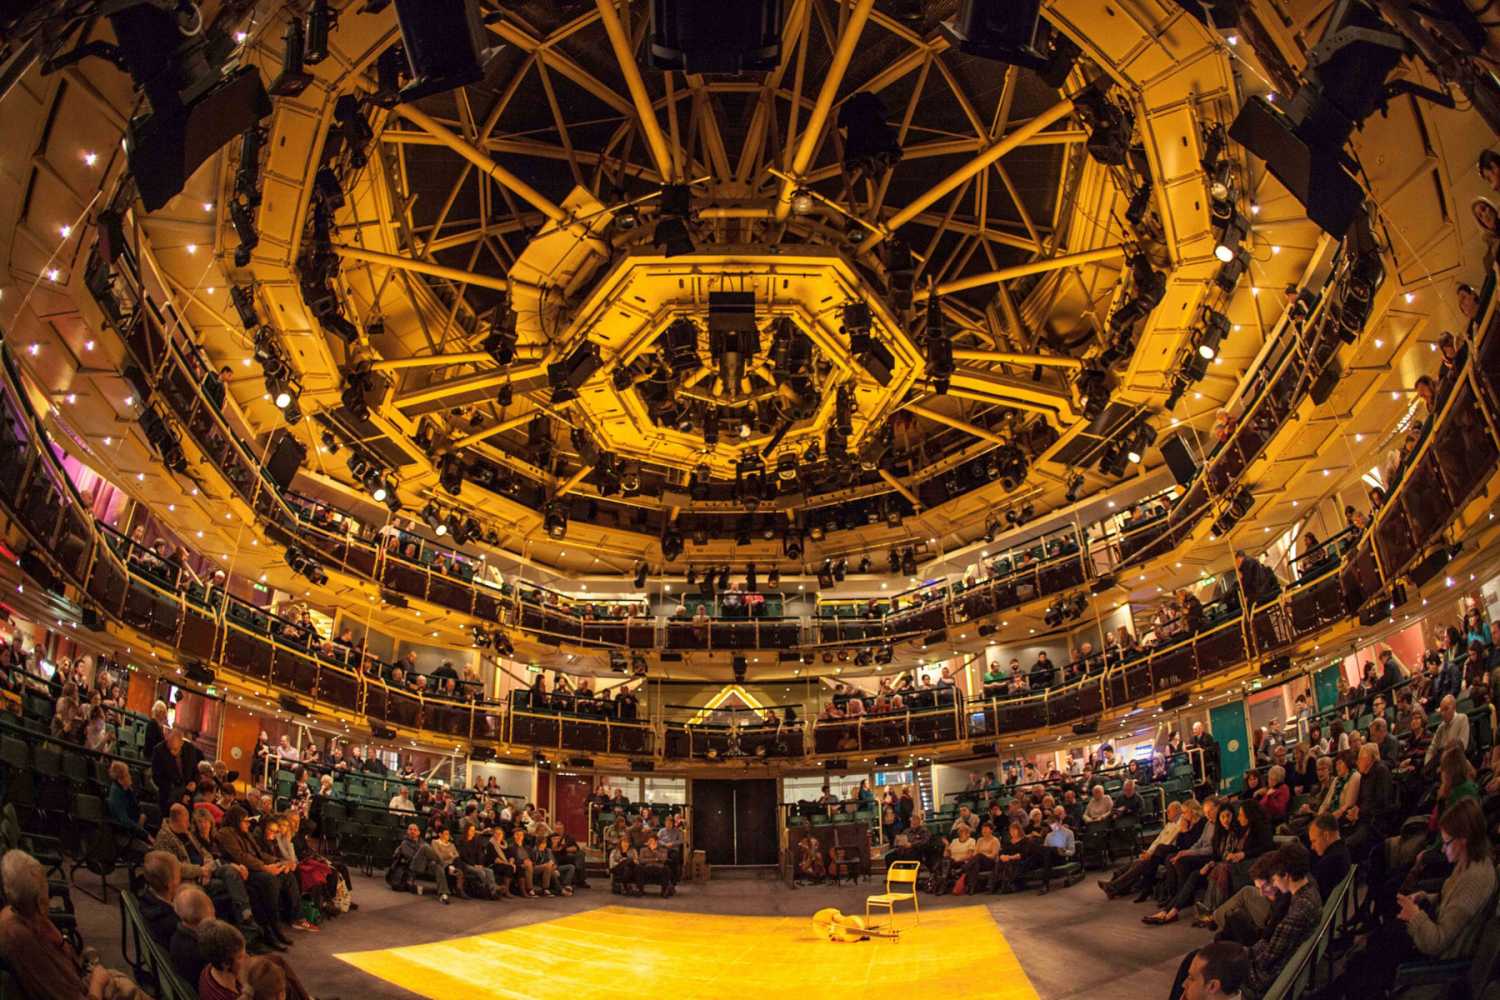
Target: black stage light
(444, 43)
(294, 77)
(840, 569)
(900, 271)
(1211, 336)
(773, 578)
(991, 528)
(871, 146)
(451, 473)
(750, 581)
(681, 347)
(555, 520)
(500, 340)
(707, 36)
(909, 561)
(392, 501)
(1140, 203)
(319, 20)
(825, 575)
(1230, 273)
(723, 578)
(1093, 391)
(1140, 439)
(1109, 126)
(673, 238)
(671, 548)
(247, 172)
(791, 544)
(1008, 31)
(456, 529)
(244, 304)
(939, 347)
(1075, 487)
(893, 561)
(241, 216)
(641, 572)
(873, 356)
(566, 377)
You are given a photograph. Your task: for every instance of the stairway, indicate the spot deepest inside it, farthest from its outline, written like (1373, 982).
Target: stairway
(924, 788)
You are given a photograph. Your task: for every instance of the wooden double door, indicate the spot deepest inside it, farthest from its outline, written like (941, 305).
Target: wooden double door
(734, 821)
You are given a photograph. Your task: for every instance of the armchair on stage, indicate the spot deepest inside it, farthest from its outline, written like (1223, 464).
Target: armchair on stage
(900, 873)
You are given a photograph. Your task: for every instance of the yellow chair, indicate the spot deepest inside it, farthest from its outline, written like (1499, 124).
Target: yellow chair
(900, 873)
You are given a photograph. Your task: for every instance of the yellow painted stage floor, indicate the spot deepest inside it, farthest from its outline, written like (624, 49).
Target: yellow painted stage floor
(954, 951)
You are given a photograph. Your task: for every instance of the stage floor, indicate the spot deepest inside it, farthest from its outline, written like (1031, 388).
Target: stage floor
(595, 954)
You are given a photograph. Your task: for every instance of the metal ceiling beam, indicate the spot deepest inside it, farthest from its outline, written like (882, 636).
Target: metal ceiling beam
(977, 165)
(645, 112)
(491, 431)
(567, 485)
(433, 360)
(1008, 358)
(470, 383)
(807, 145)
(1022, 270)
(477, 157)
(901, 488)
(956, 424)
(1020, 394)
(421, 267)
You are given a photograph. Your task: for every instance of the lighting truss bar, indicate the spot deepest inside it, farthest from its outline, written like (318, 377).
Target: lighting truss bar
(491, 431)
(900, 488)
(645, 112)
(956, 424)
(1024, 360)
(977, 165)
(1022, 270)
(469, 383)
(807, 144)
(421, 267)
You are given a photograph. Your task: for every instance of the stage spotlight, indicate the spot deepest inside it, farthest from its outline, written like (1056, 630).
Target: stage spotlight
(724, 578)
(243, 220)
(773, 578)
(681, 347)
(294, 77)
(1093, 391)
(871, 146)
(444, 44)
(555, 520)
(893, 561)
(247, 172)
(1229, 274)
(244, 304)
(451, 473)
(641, 572)
(791, 544)
(1231, 234)
(1109, 126)
(909, 561)
(1141, 438)
(1075, 487)
(939, 347)
(500, 341)
(319, 20)
(566, 377)
(872, 354)
(1215, 329)
(431, 516)
(671, 547)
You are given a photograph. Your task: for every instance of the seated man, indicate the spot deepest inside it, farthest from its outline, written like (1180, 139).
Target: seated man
(1217, 971)
(1100, 807)
(40, 958)
(670, 838)
(652, 861)
(543, 860)
(414, 858)
(1058, 848)
(1291, 871)
(194, 909)
(1245, 916)
(624, 873)
(1125, 880)
(162, 876)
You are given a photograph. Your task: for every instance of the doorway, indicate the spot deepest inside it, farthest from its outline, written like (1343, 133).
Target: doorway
(734, 822)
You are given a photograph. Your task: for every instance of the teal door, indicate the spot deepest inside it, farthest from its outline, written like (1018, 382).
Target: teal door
(1326, 687)
(1227, 723)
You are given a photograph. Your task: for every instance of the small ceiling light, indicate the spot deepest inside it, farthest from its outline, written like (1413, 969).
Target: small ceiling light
(65, 231)
(71, 398)
(88, 345)
(1275, 249)
(1379, 343)
(53, 274)
(33, 349)
(140, 477)
(240, 37)
(208, 206)
(90, 158)
(1233, 39)
(191, 248)
(1410, 297)
(108, 441)
(129, 400)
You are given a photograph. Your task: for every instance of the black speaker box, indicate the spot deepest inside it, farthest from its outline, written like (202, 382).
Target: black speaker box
(1179, 460)
(284, 457)
(1319, 181)
(1322, 389)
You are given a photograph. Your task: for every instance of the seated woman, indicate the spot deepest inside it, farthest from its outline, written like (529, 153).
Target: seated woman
(1443, 927)
(1224, 844)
